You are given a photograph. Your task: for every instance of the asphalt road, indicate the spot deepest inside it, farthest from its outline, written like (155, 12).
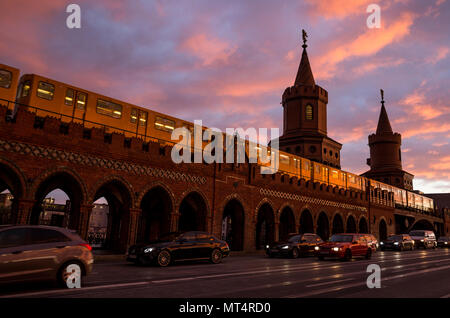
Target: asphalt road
(420, 273)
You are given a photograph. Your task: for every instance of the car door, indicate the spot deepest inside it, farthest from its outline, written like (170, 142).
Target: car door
(186, 244)
(12, 259)
(203, 246)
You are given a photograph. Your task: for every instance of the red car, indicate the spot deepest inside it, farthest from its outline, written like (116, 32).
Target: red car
(345, 246)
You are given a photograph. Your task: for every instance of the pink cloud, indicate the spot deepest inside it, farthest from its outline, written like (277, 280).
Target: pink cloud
(208, 49)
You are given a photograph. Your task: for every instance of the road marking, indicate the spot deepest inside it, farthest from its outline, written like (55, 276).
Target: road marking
(334, 289)
(330, 282)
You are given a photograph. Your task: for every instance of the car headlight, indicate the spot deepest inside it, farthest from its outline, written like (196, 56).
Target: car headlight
(318, 248)
(421, 240)
(336, 249)
(445, 243)
(395, 243)
(285, 247)
(381, 243)
(148, 250)
(267, 246)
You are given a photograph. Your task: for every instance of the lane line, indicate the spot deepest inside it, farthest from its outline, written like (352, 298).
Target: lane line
(329, 282)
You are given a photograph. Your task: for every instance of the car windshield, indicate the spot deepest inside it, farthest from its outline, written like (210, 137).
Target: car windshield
(341, 238)
(394, 238)
(417, 233)
(294, 238)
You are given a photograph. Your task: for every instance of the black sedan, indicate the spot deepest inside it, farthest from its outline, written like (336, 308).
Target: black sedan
(179, 246)
(296, 245)
(443, 241)
(398, 242)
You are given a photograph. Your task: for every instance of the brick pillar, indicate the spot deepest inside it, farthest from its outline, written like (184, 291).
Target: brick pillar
(83, 221)
(24, 210)
(174, 218)
(276, 231)
(135, 215)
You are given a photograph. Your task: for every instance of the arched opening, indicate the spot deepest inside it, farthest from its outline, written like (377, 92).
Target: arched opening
(323, 226)
(382, 230)
(287, 223)
(60, 207)
(306, 223)
(363, 228)
(156, 208)
(351, 224)
(10, 191)
(233, 225)
(338, 224)
(423, 225)
(193, 213)
(108, 227)
(264, 226)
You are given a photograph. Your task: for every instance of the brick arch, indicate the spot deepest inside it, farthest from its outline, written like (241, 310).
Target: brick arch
(233, 196)
(382, 218)
(282, 207)
(260, 204)
(152, 185)
(199, 220)
(54, 171)
(18, 173)
(366, 219)
(111, 178)
(235, 234)
(351, 215)
(332, 221)
(307, 208)
(286, 226)
(201, 193)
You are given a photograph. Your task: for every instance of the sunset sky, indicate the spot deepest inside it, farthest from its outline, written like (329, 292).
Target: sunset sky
(228, 63)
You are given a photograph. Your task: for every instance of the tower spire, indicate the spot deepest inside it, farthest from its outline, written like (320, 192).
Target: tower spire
(304, 73)
(384, 126)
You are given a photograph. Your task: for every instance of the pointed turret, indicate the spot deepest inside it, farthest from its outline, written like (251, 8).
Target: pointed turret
(304, 74)
(384, 126)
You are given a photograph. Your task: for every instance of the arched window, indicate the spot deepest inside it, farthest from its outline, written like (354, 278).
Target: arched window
(309, 112)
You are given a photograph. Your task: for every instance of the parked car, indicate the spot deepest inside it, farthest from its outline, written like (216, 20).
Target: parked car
(443, 241)
(399, 242)
(179, 246)
(36, 253)
(423, 238)
(296, 245)
(372, 242)
(345, 247)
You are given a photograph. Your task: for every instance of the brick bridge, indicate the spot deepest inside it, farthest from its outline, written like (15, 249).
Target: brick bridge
(148, 194)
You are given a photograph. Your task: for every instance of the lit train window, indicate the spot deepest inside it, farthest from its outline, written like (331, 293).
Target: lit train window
(5, 78)
(309, 112)
(164, 124)
(81, 101)
(25, 90)
(45, 90)
(143, 118)
(133, 116)
(306, 165)
(335, 174)
(284, 159)
(109, 108)
(69, 97)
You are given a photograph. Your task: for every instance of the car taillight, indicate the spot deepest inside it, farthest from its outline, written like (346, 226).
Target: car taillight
(87, 246)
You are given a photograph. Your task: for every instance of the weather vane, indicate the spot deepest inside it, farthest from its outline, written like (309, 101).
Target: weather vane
(382, 96)
(304, 36)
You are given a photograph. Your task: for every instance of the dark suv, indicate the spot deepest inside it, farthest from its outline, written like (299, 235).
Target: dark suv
(35, 252)
(179, 246)
(296, 245)
(398, 242)
(423, 238)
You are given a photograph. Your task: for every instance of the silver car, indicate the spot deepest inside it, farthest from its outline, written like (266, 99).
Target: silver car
(34, 252)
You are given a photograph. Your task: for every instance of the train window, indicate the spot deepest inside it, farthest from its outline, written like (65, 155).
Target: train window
(143, 118)
(133, 116)
(69, 97)
(81, 101)
(45, 90)
(24, 89)
(335, 174)
(164, 124)
(284, 159)
(5, 78)
(306, 165)
(109, 108)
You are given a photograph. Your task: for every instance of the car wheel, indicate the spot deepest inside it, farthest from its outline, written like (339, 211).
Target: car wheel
(270, 255)
(163, 258)
(348, 255)
(294, 253)
(369, 253)
(70, 275)
(216, 256)
(321, 258)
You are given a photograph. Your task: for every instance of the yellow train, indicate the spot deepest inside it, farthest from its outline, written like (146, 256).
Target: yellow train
(47, 97)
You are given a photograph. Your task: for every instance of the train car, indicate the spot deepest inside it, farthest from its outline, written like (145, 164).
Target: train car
(47, 97)
(9, 77)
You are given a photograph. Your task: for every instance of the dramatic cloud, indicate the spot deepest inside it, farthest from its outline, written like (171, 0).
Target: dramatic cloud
(228, 63)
